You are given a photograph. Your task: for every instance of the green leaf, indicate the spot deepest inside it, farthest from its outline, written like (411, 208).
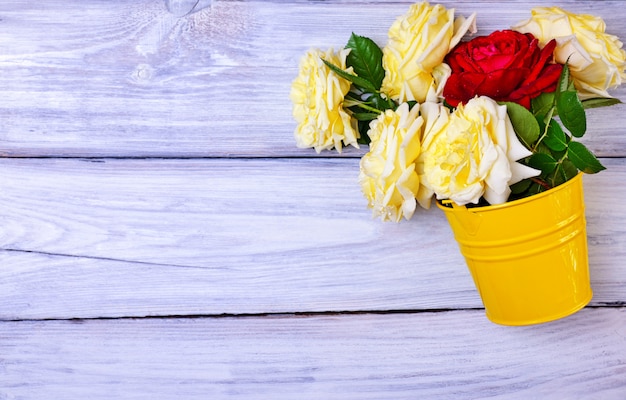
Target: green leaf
(572, 113)
(542, 149)
(545, 162)
(555, 138)
(521, 186)
(366, 58)
(364, 127)
(382, 103)
(535, 188)
(565, 84)
(542, 104)
(600, 102)
(568, 105)
(566, 171)
(524, 123)
(583, 159)
(358, 81)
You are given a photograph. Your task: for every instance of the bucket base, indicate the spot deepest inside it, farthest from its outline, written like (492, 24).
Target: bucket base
(536, 321)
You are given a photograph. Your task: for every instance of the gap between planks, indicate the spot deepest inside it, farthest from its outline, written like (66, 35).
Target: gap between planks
(303, 314)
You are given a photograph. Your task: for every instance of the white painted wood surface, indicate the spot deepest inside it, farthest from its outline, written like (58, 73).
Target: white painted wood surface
(454, 354)
(113, 78)
(239, 236)
(148, 175)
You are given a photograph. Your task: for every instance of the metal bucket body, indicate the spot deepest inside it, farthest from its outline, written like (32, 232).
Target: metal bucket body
(528, 257)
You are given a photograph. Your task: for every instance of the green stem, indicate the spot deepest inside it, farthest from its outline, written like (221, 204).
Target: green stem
(541, 183)
(546, 120)
(559, 170)
(369, 108)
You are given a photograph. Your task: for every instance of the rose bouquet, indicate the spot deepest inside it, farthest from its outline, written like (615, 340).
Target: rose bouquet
(467, 121)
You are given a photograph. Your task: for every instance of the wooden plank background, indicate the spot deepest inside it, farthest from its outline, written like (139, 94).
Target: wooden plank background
(161, 236)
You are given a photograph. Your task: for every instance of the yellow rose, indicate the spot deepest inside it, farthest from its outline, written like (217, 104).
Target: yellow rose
(596, 59)
(387, 176)
(473, 154)
(317, 95)
(418, 42)
(436, 119)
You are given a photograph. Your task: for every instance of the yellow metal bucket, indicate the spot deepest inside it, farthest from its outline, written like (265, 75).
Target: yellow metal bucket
(528, 257)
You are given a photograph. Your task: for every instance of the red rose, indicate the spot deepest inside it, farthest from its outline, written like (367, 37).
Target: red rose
(506, 66)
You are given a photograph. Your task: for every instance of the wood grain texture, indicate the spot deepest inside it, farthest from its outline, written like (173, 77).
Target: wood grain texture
(148, 78)
(452, 355)
(181, 237)
(148, 169)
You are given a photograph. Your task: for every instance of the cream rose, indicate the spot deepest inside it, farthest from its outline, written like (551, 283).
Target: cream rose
(473, 154)
(418, 42)
(317, 95)
(596, 59)
(387, 175)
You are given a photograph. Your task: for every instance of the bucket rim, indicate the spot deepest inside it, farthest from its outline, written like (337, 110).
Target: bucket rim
(513, 203)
